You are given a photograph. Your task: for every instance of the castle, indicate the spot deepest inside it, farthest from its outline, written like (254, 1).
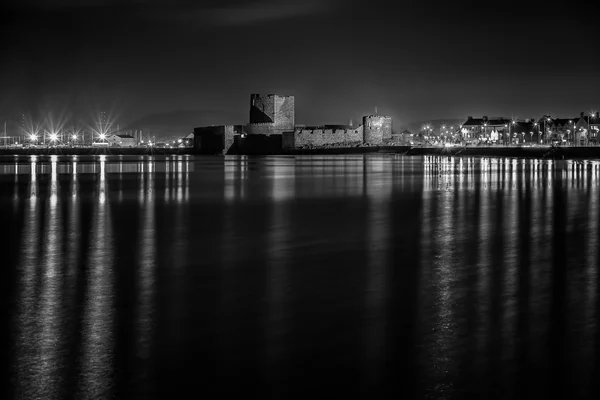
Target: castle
(272, 127)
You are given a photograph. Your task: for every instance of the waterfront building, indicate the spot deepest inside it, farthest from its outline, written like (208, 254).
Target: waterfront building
(485, 129)
(587, 129)
(521, 132)
(558, 129)
(121, 141)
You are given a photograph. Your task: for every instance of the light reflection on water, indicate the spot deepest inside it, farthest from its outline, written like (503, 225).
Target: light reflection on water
(425, 276)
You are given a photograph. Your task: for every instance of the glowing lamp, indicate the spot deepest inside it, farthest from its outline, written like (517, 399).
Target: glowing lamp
(102, 136)
(53, 137)
(33, 137)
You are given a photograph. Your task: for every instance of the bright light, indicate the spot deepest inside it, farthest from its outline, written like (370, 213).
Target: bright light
(33, 137)
(74, 137)
(180, 140)
(102, 136)
(53, 137)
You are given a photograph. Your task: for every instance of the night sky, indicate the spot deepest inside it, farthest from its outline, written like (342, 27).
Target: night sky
(167, 65)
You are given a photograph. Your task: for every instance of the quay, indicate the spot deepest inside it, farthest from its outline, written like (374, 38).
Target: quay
(541, 152)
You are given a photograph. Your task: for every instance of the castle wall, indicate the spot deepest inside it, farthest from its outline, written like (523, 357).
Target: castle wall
(228, 137)
(266, 129)
(271, 114)
(215, 139)
(288, 140)
(377, 129)
(262, 109)
(285, 114)
(323, 137)
(355, 135)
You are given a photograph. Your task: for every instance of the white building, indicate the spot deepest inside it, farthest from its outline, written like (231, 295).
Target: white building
(121, 141)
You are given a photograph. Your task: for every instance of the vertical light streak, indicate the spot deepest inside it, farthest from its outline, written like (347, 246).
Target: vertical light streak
(33, 186)
(98, 319)
(484, 261)
(167, 179)
(511, 257)
(187, 179)
(591, 271)
(230, 176)
(50, 302)
(379, 186)
(443, 278)
(278, 279)
(28, 373)
(147, 272)
(179, 182)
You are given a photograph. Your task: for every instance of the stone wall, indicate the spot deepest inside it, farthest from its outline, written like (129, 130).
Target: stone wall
(263, 129)
(216, 139)
(288, 140)
(262, 109)
(323, 137)
(228, 137)
(285, 114)
(279, 111)
(377, 129)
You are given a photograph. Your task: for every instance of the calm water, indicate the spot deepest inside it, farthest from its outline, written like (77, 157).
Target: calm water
(282, 277)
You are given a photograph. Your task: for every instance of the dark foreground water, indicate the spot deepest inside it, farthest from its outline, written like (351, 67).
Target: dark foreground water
(281, 277)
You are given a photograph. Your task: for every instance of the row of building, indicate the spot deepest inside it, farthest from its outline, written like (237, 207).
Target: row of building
(582, 130)
(273, 127)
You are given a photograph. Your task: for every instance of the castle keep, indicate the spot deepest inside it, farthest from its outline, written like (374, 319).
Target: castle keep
(271, 114)
(272, 127)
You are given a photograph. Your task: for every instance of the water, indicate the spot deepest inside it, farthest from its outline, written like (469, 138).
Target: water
(283, 277)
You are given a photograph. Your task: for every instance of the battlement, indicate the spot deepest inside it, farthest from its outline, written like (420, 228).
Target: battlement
(377, 116)
(319, 137)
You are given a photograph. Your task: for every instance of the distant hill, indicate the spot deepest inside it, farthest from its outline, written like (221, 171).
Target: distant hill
(415, 127)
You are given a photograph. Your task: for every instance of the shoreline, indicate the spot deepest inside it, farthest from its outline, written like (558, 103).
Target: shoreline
(546, 152)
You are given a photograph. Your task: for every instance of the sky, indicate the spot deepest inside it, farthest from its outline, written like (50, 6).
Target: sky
(167, 66)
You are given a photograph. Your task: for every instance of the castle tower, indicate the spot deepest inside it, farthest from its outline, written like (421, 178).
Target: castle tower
(377, 129)
(271, 114)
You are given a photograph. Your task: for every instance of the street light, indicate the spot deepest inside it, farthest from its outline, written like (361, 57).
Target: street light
(573, 132)
(592, 115)
(484, 128)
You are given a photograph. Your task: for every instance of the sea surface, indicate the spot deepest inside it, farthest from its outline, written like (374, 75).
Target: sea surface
(374, 276)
